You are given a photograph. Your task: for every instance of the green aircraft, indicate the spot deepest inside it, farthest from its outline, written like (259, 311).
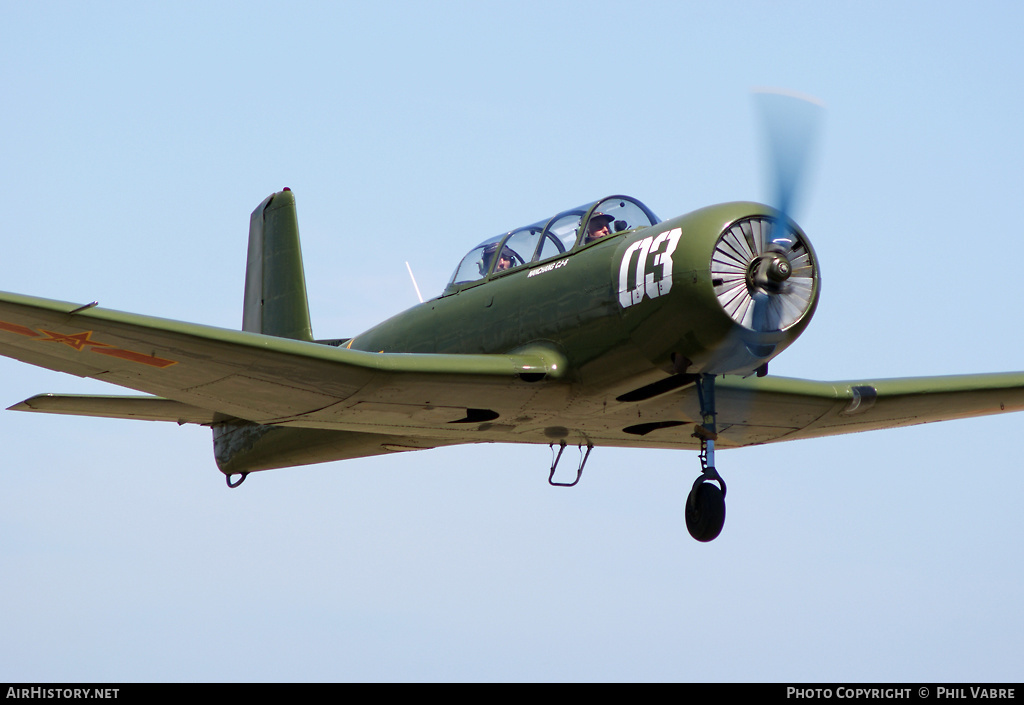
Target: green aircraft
(600, 326)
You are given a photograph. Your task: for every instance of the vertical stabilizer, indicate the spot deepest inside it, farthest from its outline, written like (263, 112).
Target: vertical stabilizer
(275, 285)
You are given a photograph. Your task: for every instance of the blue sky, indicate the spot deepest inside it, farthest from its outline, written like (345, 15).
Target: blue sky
(137, 141)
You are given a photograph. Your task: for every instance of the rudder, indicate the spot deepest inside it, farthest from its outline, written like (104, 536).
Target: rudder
(275, 304)
(275, 282)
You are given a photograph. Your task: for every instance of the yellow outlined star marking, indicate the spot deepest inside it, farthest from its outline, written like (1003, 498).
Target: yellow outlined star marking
(81, 341)
(77, 341)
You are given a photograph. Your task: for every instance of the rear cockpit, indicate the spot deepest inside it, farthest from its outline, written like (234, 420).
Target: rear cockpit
(547, 239)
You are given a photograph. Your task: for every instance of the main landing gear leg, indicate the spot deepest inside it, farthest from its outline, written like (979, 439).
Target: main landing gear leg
(705, 505)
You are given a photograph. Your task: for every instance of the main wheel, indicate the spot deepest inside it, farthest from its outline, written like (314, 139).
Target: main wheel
(705, 512)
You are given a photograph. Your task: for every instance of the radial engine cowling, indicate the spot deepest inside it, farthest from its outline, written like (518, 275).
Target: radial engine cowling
(745, 283)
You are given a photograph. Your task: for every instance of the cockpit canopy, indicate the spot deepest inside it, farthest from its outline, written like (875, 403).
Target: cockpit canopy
(572, 229)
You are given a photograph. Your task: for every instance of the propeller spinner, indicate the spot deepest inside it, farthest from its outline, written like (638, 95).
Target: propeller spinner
(763, 274)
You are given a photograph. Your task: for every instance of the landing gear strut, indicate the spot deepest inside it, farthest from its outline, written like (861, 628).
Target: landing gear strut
(705, 505)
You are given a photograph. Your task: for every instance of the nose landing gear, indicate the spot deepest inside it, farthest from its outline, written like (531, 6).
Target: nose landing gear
(705, 505)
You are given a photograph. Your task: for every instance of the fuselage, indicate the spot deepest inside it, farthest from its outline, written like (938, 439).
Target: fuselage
(625, 310)
(633, 307)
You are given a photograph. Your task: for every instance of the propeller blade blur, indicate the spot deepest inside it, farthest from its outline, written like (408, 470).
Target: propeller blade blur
(791, 122)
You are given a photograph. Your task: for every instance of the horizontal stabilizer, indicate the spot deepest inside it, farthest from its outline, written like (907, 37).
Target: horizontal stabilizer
(144, 408)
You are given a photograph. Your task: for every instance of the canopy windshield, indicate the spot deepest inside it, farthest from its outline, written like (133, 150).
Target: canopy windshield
(550, 238)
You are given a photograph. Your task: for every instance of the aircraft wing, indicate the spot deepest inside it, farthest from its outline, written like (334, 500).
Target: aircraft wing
(853, 406)
(196, 370)
(203, 374)
(771, 409)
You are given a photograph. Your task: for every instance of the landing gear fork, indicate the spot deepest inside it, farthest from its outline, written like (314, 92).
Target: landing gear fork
(705, 505)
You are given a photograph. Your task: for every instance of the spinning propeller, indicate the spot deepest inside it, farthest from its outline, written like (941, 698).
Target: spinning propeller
(762, 269)
(763, 273)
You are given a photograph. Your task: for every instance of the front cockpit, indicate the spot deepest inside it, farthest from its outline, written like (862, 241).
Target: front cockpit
(548, 239)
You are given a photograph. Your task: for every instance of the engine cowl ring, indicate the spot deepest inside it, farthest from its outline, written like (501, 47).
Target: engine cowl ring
(764, 274)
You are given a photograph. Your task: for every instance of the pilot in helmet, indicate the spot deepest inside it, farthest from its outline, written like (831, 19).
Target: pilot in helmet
(504, 259)
(598, 227)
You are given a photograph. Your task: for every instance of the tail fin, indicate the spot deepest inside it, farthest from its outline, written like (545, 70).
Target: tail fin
(275, 284)
(275, 304)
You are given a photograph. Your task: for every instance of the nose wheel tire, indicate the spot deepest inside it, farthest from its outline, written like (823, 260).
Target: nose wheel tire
(705, 512)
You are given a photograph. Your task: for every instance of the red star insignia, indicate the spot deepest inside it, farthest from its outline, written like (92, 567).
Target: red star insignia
(77, 341)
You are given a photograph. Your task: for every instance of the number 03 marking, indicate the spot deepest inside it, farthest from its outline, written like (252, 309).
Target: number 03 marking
(652, 281)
